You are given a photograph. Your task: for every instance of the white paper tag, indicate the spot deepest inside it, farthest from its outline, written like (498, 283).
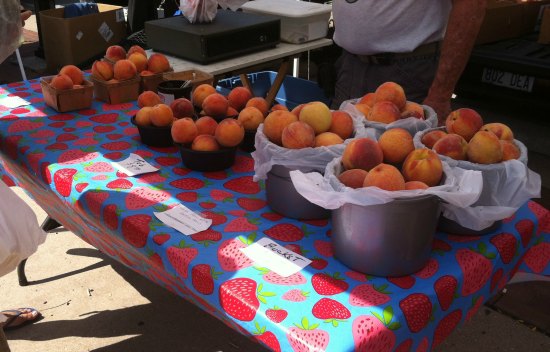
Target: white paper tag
(184, 220)
(13, 102)
(166, 98)
(134, 165)
(105, 31)
(119, 14)
(79, 35)
(275, 257)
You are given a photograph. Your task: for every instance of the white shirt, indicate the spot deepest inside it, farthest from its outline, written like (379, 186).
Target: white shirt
(367, 27)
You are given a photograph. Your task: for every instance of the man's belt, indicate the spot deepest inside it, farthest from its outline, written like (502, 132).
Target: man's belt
(388, 58)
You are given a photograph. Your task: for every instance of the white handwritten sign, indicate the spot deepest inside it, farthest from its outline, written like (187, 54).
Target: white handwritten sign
(275, 257)
(13, 102)
(184, 220)
(134, 165)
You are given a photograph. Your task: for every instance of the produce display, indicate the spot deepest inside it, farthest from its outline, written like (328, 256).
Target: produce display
(388, 104)
(67, 90)
(468, 138)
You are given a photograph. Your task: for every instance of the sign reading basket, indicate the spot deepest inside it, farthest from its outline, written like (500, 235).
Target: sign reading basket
(275, 257)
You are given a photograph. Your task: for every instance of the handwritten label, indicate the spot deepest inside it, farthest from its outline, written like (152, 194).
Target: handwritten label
(134, 165)
(275, 257)
(106, 32)
(184, 220)
(13, 102)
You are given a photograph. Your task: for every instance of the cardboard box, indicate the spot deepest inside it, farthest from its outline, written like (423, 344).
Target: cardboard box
(118, 91)
(67, 100)
(77, 40)
(502, 21)
(544, 34)
(532, 14)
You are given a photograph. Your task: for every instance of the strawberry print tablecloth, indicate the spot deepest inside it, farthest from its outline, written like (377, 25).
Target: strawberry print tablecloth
(63, 160)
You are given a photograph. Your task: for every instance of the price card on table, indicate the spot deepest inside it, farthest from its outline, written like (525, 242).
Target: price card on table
(14, 102)
(134, 165)
(184, 220)
(275, 257)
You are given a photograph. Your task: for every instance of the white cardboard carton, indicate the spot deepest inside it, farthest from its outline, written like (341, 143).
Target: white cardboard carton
(301, 21)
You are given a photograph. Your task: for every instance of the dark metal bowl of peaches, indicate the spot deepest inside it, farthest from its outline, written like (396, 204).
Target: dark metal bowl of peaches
(202, 150)
(154, 125)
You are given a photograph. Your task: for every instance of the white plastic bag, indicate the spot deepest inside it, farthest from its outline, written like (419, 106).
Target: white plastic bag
(506, 187)
(204, 11)
(460, 188)
(10, 28)
(268, 154)
(375, 129)
(20, 234)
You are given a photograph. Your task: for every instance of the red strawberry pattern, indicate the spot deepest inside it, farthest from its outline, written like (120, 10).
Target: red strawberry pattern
(314, 309)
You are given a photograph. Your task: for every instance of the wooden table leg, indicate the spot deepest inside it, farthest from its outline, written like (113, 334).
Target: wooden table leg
(246, 82)
(283, 69)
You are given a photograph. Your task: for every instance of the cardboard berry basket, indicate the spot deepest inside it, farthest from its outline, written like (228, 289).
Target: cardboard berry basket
(151, 82)
(116, 92)
(76, 98)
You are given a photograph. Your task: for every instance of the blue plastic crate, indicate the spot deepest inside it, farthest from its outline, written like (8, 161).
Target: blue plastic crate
(293, 92)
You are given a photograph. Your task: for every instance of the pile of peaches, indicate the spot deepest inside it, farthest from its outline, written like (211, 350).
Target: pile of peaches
(468, 138)
(69, 77)
(120, 65)
(391, 163)
(387, 104)
(311, 124)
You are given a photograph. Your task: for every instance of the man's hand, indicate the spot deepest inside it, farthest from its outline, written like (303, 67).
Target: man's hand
(442, 108)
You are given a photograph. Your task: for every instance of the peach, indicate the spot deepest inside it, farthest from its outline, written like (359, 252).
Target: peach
(124, 69)
(384, 112)
(148, 98)
(158, 63)
(423, 165)
(327, 138)
(102, 70)
(509, 150)
(391, 91)
(231, 112)
(415, 185)
(367, 99)
(200, 93)
(316, 114)
(61, 82)
(182, 107)
(206, 125)
(396, 144)
(259, 103)
(238, 97)
(143, 116)
(296, 110)
(465, 122)
(353, 178)
(251, 117)
(205, 143)
(161, 115)
(184, 130)
(215, 105)
(139, 60)
(279, 107)
(146, 73)
(341, 124)
(412, 109)
(74, 72)
(298, 135)
(363, 109)
(484, 148)
(429, 139)
(275, 123)
(386, 177)
(362, 153)
(115, 53)
(501, 130)
(136, 49)
(453, 146)
(229, 133)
